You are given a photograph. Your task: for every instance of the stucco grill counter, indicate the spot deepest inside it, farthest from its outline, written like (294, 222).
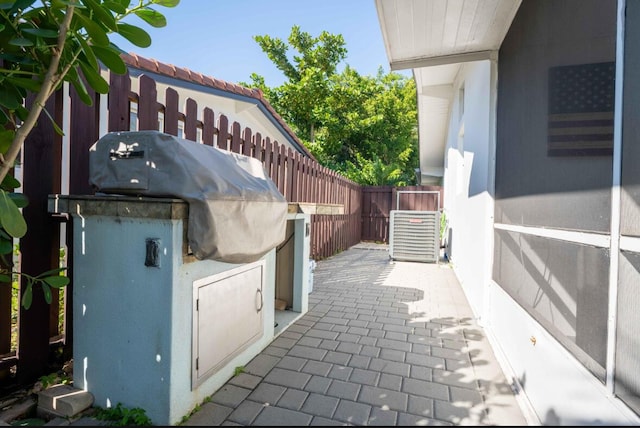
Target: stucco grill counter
(174, 276)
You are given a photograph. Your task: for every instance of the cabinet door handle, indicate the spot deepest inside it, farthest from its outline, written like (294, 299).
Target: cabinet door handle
(260, 299)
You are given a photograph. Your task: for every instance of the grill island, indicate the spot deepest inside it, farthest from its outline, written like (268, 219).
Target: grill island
(174, 270)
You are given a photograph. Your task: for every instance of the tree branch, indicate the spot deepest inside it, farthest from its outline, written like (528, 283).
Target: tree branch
(41, 98)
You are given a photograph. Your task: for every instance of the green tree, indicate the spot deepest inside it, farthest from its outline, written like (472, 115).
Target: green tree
(370, 125)
(42, 45)
(351, 123)
(308, 74)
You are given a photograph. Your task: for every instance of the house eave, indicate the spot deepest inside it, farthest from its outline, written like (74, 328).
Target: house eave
(422, 62)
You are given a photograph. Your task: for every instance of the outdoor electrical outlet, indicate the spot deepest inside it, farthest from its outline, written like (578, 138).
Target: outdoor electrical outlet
(152, 258)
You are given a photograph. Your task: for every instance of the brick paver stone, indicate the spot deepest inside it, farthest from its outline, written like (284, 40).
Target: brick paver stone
(381, 417)
(261, 364)
(353, 413)
(391, 367)
(246, 412)
(320, 405)
(420, 406)
(389, 381)
(283, 342)
(425, 389)
(230, 395)
(307, 352)
(365, 377)
(319, 368)
(341, 389)
(337, 358)
(406, 419)
(267, 393)
(292, 363)
(292, 399)
(209, 414)
(384, 398)
(276, 416)
(319, 384)
(287, 378)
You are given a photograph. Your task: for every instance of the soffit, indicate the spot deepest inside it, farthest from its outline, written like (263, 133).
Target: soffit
(419, 33)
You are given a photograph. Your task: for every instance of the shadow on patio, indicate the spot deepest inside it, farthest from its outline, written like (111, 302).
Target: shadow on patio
(383, 343)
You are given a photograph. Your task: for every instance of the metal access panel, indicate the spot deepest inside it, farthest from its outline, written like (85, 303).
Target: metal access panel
(414, 236)
(227, 317)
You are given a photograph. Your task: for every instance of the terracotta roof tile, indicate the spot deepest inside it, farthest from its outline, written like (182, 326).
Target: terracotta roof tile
(208, 81)
(182, 73)
(166, 69)
(147, 64)
(170, 70)
(128, 59)
(218, 84)
(197, 77)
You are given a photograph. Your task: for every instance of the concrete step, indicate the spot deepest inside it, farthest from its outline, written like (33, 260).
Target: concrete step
(63, 401)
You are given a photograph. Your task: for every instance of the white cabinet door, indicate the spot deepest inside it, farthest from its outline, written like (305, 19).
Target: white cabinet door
(227, 317)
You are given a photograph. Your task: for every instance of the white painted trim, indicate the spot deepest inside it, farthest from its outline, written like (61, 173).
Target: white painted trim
(103, 100)
(383, 29)
(103, 125)
(442, 60)
(630, 243)
(602, 241)
(491, 187)
(66, 142)
(614, 251)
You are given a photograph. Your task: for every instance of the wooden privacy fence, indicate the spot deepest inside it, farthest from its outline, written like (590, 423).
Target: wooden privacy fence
(378, 201)
(300, 179)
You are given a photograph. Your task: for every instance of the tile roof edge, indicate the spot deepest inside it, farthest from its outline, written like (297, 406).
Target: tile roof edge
(142, 63)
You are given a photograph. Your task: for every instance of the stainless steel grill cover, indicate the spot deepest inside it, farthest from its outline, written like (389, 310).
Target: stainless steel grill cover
(236, 213)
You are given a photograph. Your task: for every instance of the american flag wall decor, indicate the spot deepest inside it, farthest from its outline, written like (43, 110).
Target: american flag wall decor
(581, 109)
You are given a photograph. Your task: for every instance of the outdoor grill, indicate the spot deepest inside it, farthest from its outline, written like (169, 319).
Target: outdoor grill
(236, 213)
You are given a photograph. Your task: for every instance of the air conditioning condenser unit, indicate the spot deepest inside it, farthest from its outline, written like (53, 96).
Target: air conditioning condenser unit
(414, 236)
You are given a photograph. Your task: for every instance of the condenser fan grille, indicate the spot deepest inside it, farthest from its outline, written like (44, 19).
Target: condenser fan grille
(415, 236)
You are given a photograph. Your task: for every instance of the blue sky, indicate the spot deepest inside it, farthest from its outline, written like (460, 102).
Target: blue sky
(215, 37)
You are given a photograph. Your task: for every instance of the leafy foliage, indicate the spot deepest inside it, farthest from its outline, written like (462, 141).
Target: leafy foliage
(308, 75)
(444, 224)
(123, 416)
(42, 45)
(55, 379)
(47, 280)
(362, 126)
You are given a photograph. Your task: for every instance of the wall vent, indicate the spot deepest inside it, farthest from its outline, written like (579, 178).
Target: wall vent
(415, 236)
